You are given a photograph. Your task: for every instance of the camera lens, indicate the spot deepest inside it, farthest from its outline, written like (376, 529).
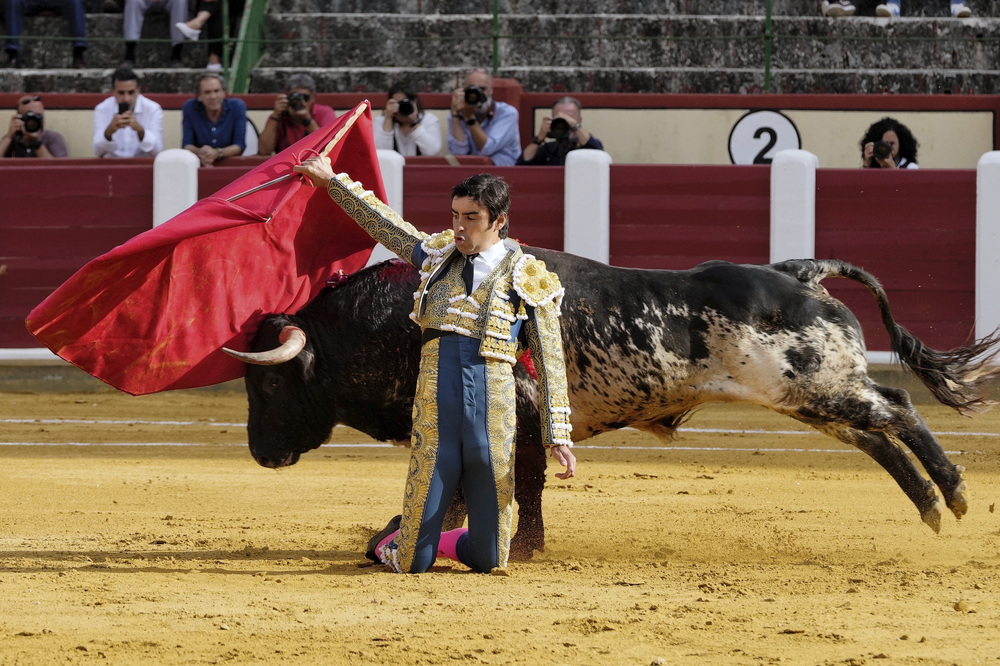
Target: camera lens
(296, 100)
(406, 107)
(474, 95)
(32, 121)
(882, 150)
(559, 129)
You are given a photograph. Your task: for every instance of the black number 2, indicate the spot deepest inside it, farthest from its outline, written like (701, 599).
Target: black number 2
(760, 159)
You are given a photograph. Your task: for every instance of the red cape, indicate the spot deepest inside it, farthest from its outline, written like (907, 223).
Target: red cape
(153, 314)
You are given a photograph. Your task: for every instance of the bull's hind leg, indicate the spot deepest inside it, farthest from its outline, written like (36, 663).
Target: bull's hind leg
(909, 427)
(895, 461)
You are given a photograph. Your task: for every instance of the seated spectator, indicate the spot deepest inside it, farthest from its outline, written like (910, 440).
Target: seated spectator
(209, 14)
(214, 126)
(135, 14)
(565, 128)
(295, 115)
(888, 144)
(890, 8)
(405, 127)
(481, 126)
(76, 19)
(127, 124)
(26, 134)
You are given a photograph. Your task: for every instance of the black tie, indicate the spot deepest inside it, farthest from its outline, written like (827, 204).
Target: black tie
(467, 272)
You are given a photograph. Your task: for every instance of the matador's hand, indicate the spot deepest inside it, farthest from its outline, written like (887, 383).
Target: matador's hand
(564, 455)
(317, 169)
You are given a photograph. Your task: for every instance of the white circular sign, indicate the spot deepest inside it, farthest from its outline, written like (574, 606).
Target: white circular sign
(758, 135)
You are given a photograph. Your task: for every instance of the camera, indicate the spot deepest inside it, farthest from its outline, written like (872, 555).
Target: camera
(406, 107)
(559, 129)
(474, 95)
(296, 100)
(32, 122)
(882, 150)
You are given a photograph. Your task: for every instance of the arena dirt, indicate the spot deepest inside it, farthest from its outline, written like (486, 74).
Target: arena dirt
(723, 548)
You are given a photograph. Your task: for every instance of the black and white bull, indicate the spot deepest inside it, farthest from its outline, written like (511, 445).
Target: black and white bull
(643, 349)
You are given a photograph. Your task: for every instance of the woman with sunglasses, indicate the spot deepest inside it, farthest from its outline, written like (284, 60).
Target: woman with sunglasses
(295, 115)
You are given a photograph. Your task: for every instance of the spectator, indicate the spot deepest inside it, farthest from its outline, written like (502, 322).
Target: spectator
(565, 127)
(214, 126)
(209, 14)
(127, 124)
(26, 134)
(76, 19)
(135, 13)
(481, 126)
(295, 115)
(888, 144)
(405, 127)
(890, 8)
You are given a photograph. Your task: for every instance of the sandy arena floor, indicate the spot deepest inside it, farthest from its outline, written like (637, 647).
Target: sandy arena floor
(776, 546)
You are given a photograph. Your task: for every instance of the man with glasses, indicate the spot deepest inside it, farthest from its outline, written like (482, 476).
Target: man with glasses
(127, 124)
(295, 115)
(26, 134)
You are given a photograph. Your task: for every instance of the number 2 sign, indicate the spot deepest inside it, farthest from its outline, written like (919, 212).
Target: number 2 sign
(758, 135)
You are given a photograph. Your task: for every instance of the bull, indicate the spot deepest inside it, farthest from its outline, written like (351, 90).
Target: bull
(643, 349)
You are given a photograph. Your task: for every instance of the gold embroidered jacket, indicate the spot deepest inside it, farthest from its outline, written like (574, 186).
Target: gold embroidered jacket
(520, 291)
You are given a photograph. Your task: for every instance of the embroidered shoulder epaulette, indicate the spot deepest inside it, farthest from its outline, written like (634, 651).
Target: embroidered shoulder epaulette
(439, 243)
(537, 285)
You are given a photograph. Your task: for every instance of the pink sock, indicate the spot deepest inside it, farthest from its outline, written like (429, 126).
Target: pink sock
(446, 546)
(378, 548)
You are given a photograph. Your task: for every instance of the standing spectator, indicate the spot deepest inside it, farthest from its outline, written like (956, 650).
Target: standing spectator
(135, 13)
(76, 20)
(214, 126)
(481, 126)
(405, 127)
(891, 9)
(127, 124)
(295, 115)
(26, 133)
(565, 128)
(209, 16)
(889, 144)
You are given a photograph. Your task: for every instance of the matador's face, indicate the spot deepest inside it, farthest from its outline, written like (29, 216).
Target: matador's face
(471, 223)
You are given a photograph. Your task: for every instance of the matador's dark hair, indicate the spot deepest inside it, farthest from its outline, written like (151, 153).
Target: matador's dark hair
(488, 191)
(907, 143)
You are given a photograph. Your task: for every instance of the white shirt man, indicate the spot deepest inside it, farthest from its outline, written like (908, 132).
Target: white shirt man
(133, 132)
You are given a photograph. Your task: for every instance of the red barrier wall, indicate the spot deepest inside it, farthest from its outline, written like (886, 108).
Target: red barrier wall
(679, 216)
(915, 230)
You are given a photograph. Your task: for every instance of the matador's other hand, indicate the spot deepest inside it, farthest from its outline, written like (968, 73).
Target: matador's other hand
(317, 169)
(564, 455)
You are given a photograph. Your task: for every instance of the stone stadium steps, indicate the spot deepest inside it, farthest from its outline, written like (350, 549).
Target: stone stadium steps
(710, 46)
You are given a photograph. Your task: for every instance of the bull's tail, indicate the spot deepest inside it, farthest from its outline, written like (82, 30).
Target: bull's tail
(958, 377)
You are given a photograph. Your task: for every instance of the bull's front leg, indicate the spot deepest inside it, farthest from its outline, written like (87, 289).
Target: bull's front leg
(529, 480)
(455, 516)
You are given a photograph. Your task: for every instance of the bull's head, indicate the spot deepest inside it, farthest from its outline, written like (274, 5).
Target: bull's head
(286, 418)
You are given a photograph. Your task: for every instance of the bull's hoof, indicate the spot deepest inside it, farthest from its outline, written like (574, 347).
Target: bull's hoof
(959, 500)
(932, 515)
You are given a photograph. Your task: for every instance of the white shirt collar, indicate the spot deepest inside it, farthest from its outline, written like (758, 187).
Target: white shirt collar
(487, 260)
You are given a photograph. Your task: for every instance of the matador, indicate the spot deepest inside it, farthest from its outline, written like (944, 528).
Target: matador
(480, 303)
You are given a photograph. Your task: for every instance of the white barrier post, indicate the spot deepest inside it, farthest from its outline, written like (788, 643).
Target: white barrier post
(391, 164)
(793, 205)
(987, 243)
(175, 183)
(587, 204)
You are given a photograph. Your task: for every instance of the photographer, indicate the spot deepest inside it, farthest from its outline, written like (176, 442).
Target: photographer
(127, 124)
(405, 127)
(481, 126)
(565, 128)
(26, 134)
(295, 115)
(888, 144)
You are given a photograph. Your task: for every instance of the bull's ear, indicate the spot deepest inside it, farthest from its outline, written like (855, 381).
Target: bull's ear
(308, 360)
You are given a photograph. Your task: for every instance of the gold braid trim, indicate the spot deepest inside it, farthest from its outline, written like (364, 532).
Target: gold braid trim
(545, 342)
(501, 421)
(380, 221)
(536, 284)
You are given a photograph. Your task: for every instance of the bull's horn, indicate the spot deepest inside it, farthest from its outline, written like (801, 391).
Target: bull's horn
(292, 339)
